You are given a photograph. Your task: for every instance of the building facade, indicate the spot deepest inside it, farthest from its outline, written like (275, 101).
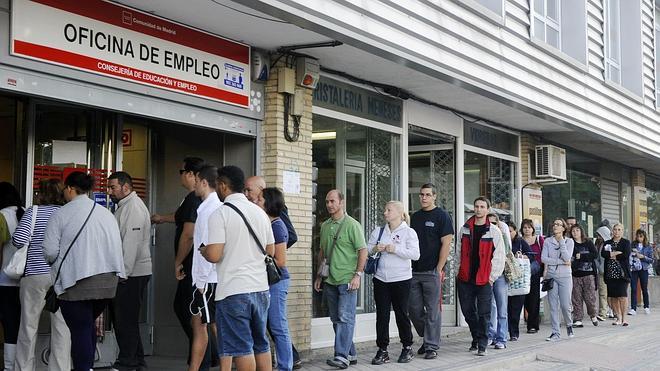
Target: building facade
(459, 93)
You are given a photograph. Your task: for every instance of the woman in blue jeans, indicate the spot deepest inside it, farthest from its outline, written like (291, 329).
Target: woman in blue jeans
(641, 258)
(498, 328)
(272, 201)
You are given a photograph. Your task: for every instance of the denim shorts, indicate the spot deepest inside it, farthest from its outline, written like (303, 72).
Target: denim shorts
(241, 319)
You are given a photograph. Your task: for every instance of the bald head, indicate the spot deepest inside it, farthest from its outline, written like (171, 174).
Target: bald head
(254, 185)
(334, 204)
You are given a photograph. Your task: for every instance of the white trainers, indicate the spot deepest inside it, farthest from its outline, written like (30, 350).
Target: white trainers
(647, 310)
(632, 312)
(578, 324)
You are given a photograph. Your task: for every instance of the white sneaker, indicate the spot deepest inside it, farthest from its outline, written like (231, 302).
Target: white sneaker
(632, 312)
(647, 310)
(578, 324)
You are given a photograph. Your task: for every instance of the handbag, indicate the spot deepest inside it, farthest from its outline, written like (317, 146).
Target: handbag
(613, 270)
(522, 285)
(547, 284)
(512, 269)
(52, 303)
(15, 269)
(324, 267)
(372, 261)
(272, 270)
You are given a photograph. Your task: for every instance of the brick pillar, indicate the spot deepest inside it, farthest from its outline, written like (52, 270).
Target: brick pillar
(639, 200)
(277, 156)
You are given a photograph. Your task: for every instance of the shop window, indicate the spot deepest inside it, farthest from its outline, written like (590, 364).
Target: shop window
(579, 196)
(561, 25)
(11, 119)
(363, 163)
(623, 60)
(653, 204)
(71, 138)
(494, 178)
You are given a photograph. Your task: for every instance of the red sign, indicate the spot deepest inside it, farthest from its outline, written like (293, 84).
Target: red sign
(113, 40)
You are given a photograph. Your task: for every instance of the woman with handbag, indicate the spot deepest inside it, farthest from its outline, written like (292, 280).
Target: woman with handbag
(11, 212)
(641, 259)
(37, 280)
(271, 201)
(515, 303)
(397, 245)
(617, 273)
(83, 245)
(584, 276)
(556, 255)
(533, 299)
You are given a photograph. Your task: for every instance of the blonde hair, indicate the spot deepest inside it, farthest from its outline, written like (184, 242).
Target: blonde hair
(399, 206)
(618, 223)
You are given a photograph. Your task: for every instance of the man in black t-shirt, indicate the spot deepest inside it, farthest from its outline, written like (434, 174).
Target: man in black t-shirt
(184, 218)
(435, 231)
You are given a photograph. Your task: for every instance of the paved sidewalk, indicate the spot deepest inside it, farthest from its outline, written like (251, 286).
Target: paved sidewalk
(604, 347)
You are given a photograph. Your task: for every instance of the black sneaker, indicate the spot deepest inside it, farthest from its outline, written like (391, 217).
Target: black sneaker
(421, 349)
(482, 352)
(382, 357)
(532, 331)
(297, 364)
(430, 354)
(473, 347)
(569, 331)
(406, 355)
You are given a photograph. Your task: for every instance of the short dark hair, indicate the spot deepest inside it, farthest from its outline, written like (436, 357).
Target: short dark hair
(50, 192)
(232, 176)
(79, 181)
(273, 201)
(429, 185)
(192, 164)
(482, 198)
(209, 173)
(512, 225)
(571, 217)
(122, 178)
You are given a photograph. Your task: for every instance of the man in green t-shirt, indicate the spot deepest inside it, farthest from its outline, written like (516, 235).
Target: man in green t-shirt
(342, 242)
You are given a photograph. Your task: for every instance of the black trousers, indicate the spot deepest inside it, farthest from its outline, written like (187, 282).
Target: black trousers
(10, 312)
(80, 317)
(533, 303)
(182, 298)
(394, 295)
(514, 307)
(125, 320)
(475, 305)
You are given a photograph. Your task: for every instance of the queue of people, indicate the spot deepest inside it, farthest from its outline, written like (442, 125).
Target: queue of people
(228, 228)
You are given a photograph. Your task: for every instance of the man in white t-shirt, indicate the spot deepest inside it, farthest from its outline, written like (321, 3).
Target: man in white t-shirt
(242, 279)
(204, 275)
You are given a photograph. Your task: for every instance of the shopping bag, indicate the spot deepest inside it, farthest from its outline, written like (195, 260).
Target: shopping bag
(521, 285)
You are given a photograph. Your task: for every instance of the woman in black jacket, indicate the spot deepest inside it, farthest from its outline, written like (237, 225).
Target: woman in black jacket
(617, 276)
(515, 303)
(583, 267)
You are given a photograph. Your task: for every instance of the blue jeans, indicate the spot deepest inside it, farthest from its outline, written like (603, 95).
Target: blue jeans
(341, 306)
(643, 277)
(279, 326)
(498, 327)
(241, 319)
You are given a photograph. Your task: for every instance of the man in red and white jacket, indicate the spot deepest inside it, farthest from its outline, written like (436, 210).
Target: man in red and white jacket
(480, 258)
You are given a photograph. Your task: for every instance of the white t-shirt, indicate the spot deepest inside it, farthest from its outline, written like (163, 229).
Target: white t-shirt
(203, 272)
(242, 268)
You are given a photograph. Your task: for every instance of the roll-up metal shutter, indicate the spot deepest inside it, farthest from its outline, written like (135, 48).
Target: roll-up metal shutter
(610, 198)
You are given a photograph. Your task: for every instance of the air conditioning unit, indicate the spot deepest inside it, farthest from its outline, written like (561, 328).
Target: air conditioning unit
(550, 162)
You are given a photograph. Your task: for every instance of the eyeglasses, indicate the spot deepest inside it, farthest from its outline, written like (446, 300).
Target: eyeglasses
(182, 171)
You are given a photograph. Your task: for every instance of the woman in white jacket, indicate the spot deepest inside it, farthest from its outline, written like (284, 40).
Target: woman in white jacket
(397, 244)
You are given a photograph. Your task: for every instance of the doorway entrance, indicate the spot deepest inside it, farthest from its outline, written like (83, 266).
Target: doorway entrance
(431, 160)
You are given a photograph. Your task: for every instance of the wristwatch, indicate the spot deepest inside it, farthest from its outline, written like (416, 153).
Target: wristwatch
(359, 274)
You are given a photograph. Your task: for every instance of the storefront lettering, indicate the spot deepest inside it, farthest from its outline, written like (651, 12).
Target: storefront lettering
(119, 45)
(356, 101)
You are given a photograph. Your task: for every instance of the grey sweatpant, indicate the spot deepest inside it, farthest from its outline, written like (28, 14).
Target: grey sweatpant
(424, 307)
(560, 301)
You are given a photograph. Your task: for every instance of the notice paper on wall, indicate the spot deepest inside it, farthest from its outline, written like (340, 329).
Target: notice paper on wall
(291, 182)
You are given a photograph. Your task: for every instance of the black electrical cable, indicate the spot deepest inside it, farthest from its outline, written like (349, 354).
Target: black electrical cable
(296, 121)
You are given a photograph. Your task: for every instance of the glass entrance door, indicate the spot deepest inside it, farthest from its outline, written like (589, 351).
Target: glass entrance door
(432, 161)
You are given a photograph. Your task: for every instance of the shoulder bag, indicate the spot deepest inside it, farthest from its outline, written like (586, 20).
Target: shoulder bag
(372, 262)
(52, 303)
(272, 270)
(512, 269)
(15, 269)
(324, 267)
